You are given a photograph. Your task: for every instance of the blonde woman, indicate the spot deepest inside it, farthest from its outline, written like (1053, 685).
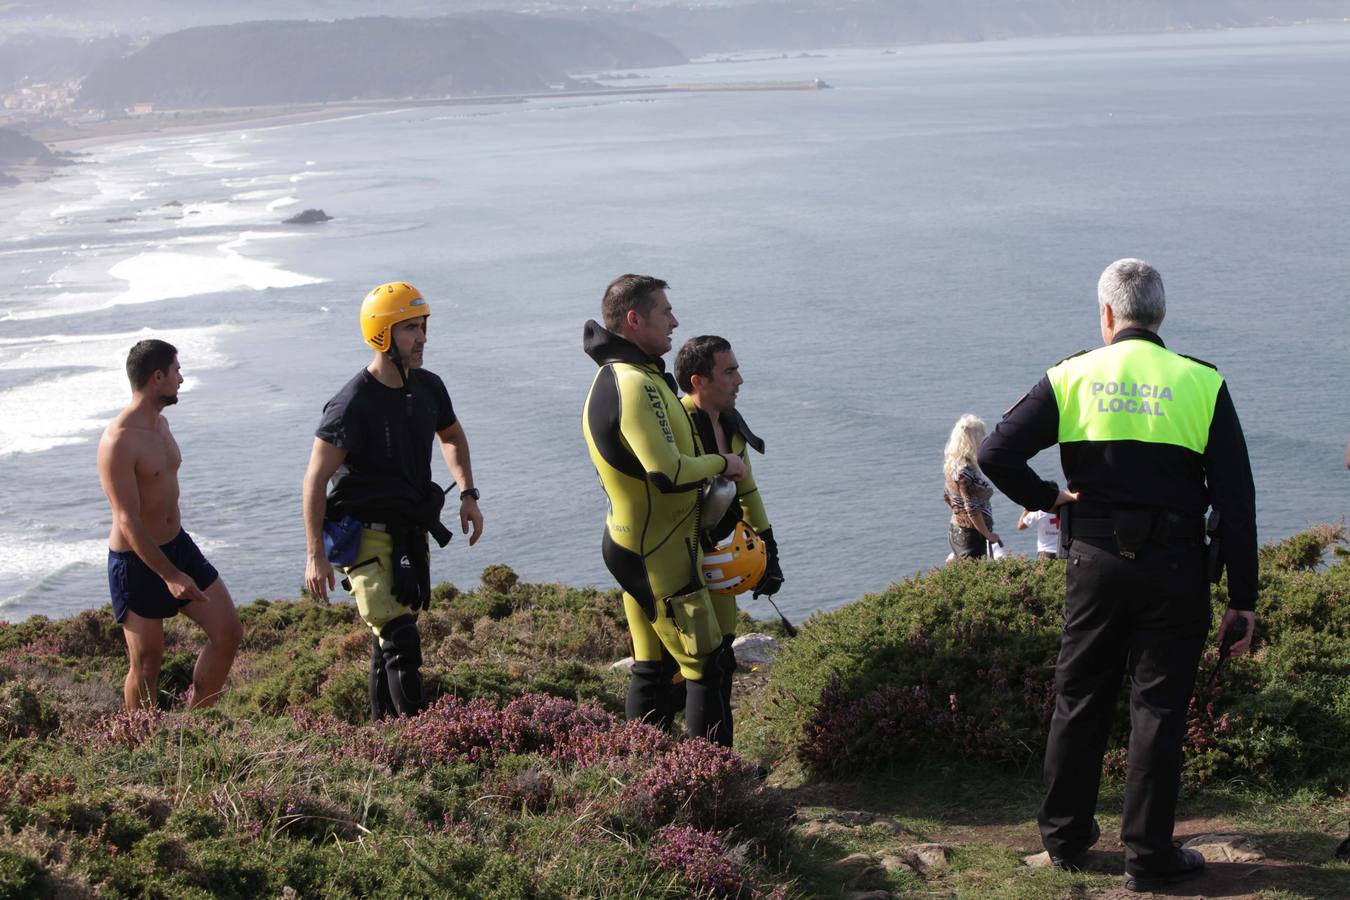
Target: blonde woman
(967, 491)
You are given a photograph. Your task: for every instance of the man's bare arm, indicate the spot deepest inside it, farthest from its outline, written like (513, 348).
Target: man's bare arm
(324, 460)
(117, 473)
(455, 449)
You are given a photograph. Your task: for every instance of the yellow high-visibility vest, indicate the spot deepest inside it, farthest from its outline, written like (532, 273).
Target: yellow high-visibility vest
(1135, 390)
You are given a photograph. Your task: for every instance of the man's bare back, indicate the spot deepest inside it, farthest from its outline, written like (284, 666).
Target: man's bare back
(131, 454)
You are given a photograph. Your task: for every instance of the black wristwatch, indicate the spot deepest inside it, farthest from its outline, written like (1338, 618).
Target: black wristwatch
(471, 492)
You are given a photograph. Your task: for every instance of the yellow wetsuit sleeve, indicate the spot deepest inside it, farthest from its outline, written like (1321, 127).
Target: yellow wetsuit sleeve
(644, 425)
(747, 493)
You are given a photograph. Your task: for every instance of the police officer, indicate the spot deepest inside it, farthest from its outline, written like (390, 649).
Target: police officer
(1148, 439)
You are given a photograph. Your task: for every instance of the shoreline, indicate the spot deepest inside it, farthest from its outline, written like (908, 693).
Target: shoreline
(75, 138)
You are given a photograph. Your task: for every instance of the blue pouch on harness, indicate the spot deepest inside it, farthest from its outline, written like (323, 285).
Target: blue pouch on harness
(341, 539)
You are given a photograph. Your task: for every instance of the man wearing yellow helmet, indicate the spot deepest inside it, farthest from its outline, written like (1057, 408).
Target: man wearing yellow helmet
(644, 449)
(376, 437)
(710, 376)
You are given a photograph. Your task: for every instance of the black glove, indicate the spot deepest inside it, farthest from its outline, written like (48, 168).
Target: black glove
(412, 569)
(772, 581)
(429, 514)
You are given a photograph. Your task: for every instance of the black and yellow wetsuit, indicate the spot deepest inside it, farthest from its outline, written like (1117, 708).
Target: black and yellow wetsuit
(749, 508)
(643, 446)
(749, 504)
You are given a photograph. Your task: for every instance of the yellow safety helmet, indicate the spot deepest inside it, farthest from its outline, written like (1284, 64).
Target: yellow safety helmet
(385, 307)
(737, 564)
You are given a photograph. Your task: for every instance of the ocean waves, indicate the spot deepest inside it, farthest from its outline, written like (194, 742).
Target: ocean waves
(65, 387)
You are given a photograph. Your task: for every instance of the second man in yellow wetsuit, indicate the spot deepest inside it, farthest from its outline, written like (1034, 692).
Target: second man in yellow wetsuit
(644, 448)
(708, 372)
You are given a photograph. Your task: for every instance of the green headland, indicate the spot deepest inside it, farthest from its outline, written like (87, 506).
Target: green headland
(891, 749)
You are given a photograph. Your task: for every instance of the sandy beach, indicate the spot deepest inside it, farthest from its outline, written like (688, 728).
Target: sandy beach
(181, 122)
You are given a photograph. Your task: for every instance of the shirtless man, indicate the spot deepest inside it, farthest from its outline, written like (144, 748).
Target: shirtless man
(154, 568)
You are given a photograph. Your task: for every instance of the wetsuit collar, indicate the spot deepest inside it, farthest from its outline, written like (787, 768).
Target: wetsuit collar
(736, 421)
(732, 423)
(605, 347)
(1134, 334)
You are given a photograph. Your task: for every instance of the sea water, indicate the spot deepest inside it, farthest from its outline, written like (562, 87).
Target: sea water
(921, 241)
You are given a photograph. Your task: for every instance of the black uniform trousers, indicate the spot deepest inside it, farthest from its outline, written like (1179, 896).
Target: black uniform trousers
(1147, 618)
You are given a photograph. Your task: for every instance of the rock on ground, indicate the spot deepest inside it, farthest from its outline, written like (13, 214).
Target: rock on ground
(1226, 847)
(871, 878)
(926, 858)
(755, 649)
(819, 828)
(856, 861)
(863, 819)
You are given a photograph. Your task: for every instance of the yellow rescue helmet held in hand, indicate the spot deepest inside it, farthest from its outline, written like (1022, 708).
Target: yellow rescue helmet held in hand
(385, 307)
(737, 564)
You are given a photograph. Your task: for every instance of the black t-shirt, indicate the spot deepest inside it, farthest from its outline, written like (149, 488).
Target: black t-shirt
(388, 439)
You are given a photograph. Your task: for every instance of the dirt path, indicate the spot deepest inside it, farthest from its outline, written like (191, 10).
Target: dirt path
(1230, 880)
(997, 826)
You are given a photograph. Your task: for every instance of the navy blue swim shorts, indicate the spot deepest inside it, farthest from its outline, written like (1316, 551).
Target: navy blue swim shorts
(136, 587)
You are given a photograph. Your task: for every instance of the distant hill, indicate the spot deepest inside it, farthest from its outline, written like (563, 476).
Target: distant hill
(278, 62)
(699, 27)
(54, 59)
(20, 150)
(812, 24)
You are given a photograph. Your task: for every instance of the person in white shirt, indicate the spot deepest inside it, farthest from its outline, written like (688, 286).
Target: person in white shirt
(1047, 531)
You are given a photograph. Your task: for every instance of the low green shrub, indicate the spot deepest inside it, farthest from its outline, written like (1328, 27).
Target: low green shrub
(500, 578)
(345, 694)
(27, 710)
(295, 676)
(92, 633)
(959, 663)
(22, 877)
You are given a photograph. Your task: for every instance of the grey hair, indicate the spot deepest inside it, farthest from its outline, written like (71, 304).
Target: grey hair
(1134, 291)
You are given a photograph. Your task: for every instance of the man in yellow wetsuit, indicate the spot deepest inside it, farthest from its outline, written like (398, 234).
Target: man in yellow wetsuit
(643, 446)
(708, 372)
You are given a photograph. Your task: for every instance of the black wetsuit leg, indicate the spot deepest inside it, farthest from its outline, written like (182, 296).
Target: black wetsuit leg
(670, 695)
(653, 696)
(645, 693)
(702, 706)
(727, 668)
(381, 704)
(705, 713)
(401, 644)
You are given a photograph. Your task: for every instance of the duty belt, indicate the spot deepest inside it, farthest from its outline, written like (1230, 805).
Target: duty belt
(1129, 529)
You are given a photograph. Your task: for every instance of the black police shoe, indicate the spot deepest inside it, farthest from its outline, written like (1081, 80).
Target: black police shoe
(1078, 861)
(1187, 864)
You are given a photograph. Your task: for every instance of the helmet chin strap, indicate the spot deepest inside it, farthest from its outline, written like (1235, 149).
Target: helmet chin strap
(397, 360)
